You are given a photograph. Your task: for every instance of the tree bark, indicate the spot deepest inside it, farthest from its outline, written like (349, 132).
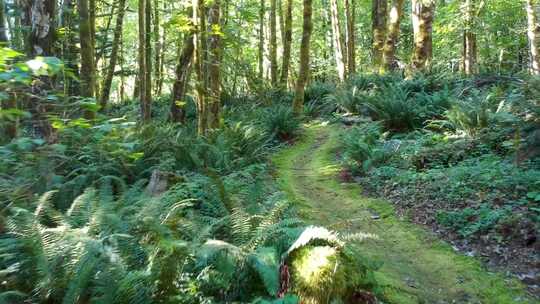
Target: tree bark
(336, 40)
(273, 44)
(392, 37)
(157, 49)
(106, 88)
(38, 15)
(141, 76)
(422, 20)
(183, 70)
(214, 64)
(88, 69)
(350, 12)
(469, 56)
(148, 55)
(199, 45)
(3, 29)
(287, 40)
(307, 28)
(533, 32)
(261, 39)
(378, 19)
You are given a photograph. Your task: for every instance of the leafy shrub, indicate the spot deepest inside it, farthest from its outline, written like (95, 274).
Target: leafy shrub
(281, 122)
(360, 150)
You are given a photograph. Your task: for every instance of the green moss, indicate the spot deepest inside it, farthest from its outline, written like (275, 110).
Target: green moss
(417, 267)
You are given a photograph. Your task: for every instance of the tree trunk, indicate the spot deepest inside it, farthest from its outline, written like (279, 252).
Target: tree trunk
(145, 60)
(106, 89)
(199, 45)
(378, 19)
(88, 69)
(3, 29)
(273, 43)
(214, 64)
(157, 48)
(148, 59)
(298, 102)
(533, 32)
(350, 12)
(336, 40)
(468, 64)
(39, 17)
(287, 40)
(422, 20)
(392, 37)
(261, 39)
(183, 70)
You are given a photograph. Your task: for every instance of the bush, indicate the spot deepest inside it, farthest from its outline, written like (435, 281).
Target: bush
(281, 122)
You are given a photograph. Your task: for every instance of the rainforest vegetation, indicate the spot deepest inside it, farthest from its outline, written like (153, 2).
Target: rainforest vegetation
(269, 151)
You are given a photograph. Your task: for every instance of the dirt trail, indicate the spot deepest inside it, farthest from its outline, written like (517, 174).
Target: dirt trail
(417, 267)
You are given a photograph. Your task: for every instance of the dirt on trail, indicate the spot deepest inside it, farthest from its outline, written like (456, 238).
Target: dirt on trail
(417, 267)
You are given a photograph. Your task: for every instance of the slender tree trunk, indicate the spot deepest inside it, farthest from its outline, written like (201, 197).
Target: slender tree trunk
(3, 29)
(422, 20)
(148, 59)
(533, 32)
(214, 65)
(199, 45)
(392, 37)
(336, 40)
(69, 47)
(106, 88)
(183, 70)
(468, 63)
(378, 19)
(307, 28)
(88, 72)
(350, 12)
(141, 76)
(261, 39)
(287, 40)
(157, 48)
(273, 43)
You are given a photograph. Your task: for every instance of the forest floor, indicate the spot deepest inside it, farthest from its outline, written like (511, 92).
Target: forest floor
(417, 267)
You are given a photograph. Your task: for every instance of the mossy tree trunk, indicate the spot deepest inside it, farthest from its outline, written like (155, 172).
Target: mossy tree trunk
(378, 20)
(88, 69)
(3, 29)
(214, 64)
(273, 43)
(145, 60)
(307, 28)
(533, 32)
(350, 13)
(199, 45)
(106, 87)
(422, 21)
(287, 40)
(183, 70)
(336, 40)
(392, 37)
(470, 53)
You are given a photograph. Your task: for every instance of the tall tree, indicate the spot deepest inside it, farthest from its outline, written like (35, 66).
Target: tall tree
(392, 36)
(350, 13)
(214, 64)
(106, 88)
(422, 21)
(307, 28)
(199, 45)
(88, 69)
(470, 53)
(144, 78)
(183, 70)
(3, 29)
(287, 40)
(261, 39)
(533, 32)
(378, 20)
(158, 42)
(273, 43)
(336, 40)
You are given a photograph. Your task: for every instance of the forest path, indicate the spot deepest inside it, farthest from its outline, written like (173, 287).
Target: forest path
(417, 266)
